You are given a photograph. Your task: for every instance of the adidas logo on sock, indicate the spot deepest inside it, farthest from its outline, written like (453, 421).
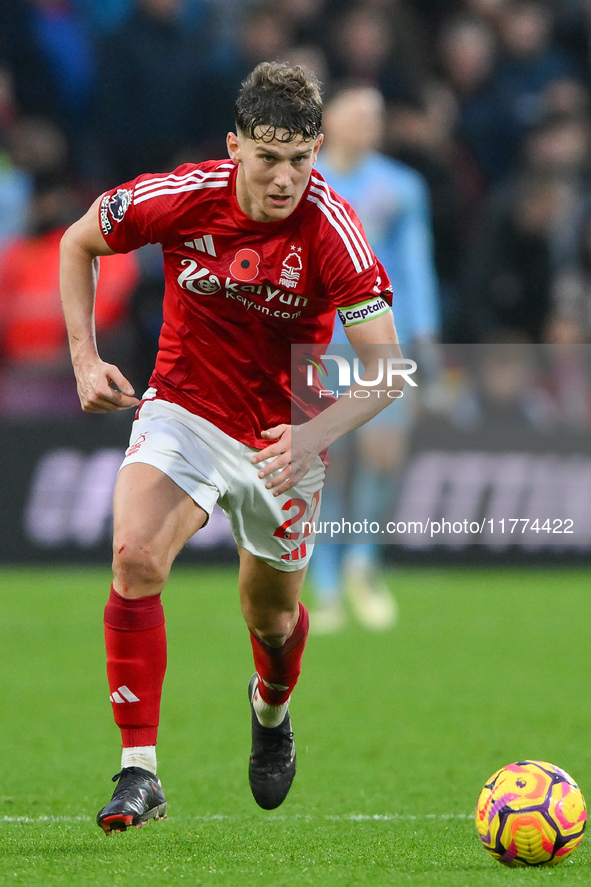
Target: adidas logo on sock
(272, 686)
(123, 694)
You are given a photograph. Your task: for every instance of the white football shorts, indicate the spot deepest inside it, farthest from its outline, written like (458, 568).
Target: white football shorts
(210, 466)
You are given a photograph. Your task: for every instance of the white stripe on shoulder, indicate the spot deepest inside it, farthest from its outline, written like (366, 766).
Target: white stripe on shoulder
(194, 186)
(167, 177)
(319, 187)
(330, 216)
(172, 180)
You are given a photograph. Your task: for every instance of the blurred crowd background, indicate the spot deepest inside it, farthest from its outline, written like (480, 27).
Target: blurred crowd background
(488, 100)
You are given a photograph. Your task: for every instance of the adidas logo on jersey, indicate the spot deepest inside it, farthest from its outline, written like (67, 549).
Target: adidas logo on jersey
(203, 245)
(123, 694)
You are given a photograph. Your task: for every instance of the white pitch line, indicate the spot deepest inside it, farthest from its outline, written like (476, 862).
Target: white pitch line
(223, 817)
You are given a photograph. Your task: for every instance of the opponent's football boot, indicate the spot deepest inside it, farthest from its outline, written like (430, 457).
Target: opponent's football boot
(272, 764)
(371, 600)
(137, 798)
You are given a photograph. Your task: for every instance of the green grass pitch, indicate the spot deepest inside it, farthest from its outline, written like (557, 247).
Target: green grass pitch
(396, 733)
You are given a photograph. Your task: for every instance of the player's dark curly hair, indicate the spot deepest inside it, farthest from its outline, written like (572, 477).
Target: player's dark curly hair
(278, 96)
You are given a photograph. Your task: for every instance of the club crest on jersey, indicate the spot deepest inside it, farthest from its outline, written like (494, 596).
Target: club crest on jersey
(291, 268)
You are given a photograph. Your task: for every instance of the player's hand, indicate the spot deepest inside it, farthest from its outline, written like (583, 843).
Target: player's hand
(102, 388)
(277, 474)
(287, 466)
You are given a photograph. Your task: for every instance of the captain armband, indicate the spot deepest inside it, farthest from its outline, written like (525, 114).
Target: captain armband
(363, 311)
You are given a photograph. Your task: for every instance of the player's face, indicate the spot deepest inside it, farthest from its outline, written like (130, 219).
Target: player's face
(272, 176)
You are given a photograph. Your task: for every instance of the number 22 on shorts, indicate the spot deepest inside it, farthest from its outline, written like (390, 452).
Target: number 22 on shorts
(300, 506)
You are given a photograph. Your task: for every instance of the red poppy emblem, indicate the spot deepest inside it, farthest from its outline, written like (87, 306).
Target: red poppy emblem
(245, 265)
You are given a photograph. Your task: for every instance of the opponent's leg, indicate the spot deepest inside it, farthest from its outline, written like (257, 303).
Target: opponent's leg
(376, 480)
(325, 575)
(278, 624)
(153, 518)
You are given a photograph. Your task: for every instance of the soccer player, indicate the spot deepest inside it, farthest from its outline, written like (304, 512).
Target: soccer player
(259, 254)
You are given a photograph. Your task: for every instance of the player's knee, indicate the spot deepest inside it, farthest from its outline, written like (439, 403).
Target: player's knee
(274, 629)
(137, 566)
(272, 639)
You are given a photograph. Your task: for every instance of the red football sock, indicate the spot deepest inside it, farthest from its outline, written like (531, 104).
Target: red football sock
(135, 638)
(280, 666)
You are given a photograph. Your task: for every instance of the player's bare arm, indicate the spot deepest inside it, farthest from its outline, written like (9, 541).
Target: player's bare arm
(102, 387)
(290, 464)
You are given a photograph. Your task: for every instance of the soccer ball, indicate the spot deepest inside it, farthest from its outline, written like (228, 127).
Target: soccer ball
(531, 813)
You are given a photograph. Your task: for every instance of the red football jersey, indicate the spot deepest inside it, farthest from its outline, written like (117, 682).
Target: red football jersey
(238, 293)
